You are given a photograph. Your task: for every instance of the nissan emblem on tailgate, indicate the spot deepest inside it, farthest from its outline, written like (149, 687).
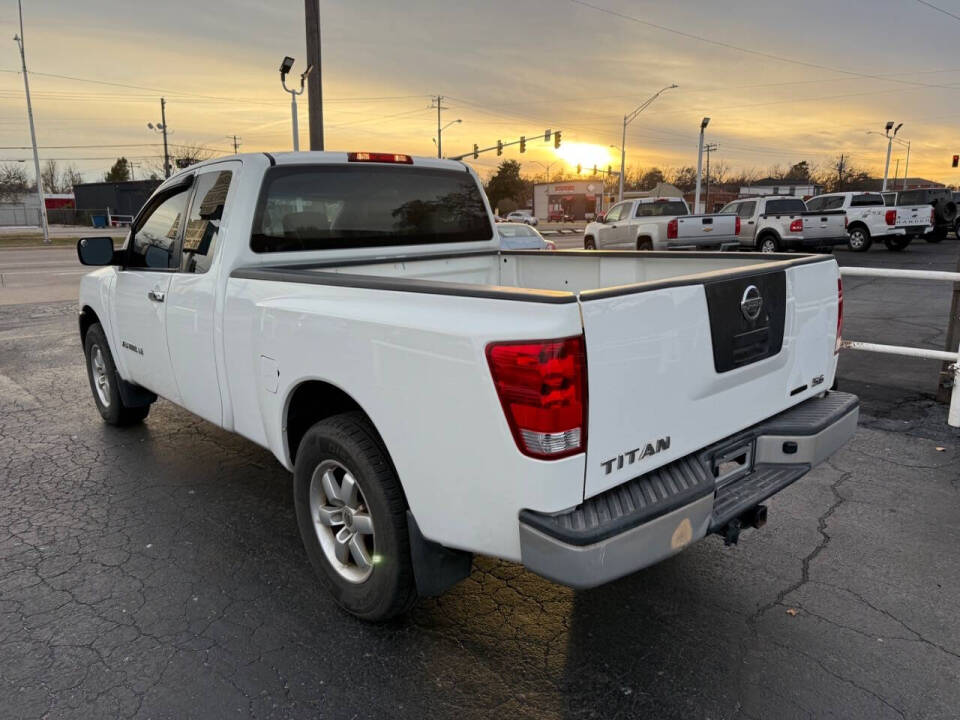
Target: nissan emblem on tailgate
(751, 303)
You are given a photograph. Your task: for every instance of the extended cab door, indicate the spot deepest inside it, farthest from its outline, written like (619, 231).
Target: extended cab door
(192, 297)
(140, 342)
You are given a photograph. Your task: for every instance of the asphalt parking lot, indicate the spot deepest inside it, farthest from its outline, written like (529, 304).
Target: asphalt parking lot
(157, 571)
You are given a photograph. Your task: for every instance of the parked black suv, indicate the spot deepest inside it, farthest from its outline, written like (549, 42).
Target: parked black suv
(944, 209)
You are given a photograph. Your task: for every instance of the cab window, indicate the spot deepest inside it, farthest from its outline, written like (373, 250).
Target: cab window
(155, 237)
(613, 214)
(203, 223)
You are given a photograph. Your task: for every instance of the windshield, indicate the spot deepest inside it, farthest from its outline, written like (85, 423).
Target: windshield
(516, 231)
(325, 207)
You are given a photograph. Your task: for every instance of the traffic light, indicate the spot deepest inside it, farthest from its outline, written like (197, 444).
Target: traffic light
(499, 147)
(523, 143)
(579, 169)
(956, 160)
(546, 136)
(476, 151)
(556, 139)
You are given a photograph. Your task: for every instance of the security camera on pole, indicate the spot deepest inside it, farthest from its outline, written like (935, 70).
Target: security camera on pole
(285, 67)
(696, 196)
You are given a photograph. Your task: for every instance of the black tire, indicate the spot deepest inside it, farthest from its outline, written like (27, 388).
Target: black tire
(589, 243)
(102, 369)
(948, 211)
(644, 244)
(859, 239)
(768, 244)
(351, 441)
(897, 243)
(936, 235)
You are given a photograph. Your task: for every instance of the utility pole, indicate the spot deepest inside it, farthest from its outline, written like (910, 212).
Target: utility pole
(906, 168)
(163, 125)
(439, 106)
(696, 196)
(896, 172)
(33, 132)
(841, 166)
(314, 81)
(236, 143)
(709, 148)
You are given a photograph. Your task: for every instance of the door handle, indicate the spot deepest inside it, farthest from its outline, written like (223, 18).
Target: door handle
(156, 295)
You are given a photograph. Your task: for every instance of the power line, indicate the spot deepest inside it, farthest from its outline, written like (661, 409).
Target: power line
(939, 9)
(750, 51)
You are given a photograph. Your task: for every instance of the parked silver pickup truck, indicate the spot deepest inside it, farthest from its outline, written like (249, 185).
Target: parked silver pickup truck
(772, 223)
(663, 223)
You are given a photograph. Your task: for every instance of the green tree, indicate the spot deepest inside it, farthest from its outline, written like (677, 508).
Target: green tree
(120, 172)
(506, 183)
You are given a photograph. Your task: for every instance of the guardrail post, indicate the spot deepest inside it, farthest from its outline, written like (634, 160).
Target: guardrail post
(953, 337)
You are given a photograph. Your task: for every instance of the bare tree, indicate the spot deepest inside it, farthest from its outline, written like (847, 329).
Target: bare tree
(182, 156)
(50, 175)
(69, 178)
(13, 181)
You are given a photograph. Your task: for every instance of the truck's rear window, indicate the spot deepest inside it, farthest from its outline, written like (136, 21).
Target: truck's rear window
(659, 208)
(787, 205)
(326, 207)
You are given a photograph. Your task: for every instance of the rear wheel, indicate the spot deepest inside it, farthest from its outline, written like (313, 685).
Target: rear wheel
(105, 381)
(352, 517)
(859, 240)
(936, 235)
(897, 243)
(644, 244)
(768, 244)
(589, 243)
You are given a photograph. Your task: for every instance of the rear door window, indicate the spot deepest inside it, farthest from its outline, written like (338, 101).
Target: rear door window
(747, 209)
(833, 203)
(816, 203)
(327, 207)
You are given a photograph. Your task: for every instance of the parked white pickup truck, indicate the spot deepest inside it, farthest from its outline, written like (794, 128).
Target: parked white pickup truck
(773, 223)
(869, 218)
(354, 314)
(659, 224)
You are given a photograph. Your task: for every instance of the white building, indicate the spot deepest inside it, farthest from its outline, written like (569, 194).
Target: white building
(573, 199)
(785, 186)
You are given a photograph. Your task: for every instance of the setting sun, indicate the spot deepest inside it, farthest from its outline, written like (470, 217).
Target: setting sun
(584, 154)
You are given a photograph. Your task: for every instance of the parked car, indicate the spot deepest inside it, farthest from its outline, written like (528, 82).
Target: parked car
(516, 236)
(559, 216)
(944, 209)
(659, 224)
(428, 390)
(773, 223)
(523, 217)
(868, 218)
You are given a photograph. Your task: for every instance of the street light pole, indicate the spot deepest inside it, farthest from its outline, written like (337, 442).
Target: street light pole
(627, 119)
(163, 125)
(886, 167)
(440, 132)
(33, 132)
(906, 168)
(696, 196)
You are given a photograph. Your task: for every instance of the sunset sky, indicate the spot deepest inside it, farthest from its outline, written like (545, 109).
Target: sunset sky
(817, 77)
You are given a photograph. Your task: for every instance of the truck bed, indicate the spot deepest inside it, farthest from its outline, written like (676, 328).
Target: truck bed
(533, 276)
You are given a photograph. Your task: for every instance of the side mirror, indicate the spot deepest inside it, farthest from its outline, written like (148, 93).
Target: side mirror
(601, 217)
(95, 251)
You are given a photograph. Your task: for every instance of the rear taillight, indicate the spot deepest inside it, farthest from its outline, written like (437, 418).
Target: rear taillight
(380, 158)
(845, 221)
(796, 226)
(542, 387)
(836, 348)
(672, 229)
(890, 216)
(736, 226)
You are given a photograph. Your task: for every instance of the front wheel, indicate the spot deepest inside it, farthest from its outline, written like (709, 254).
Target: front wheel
(897, 243)
(859, 240)
(589, 243)
(936, 235)
(105, 381)
(352, 517)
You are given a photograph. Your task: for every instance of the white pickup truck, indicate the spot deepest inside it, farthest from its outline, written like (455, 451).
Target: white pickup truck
(869, 218)
(662, 223)
(775, 223)
(354, 314)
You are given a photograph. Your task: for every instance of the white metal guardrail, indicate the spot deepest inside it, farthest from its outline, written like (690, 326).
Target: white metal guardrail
(953, 416)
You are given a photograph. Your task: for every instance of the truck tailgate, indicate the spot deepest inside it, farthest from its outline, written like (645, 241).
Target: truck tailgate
(678, 364)
(911, 216)
(823, 225)
(705, 229)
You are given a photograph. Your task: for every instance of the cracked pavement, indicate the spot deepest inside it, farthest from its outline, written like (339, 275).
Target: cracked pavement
(157, 572)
